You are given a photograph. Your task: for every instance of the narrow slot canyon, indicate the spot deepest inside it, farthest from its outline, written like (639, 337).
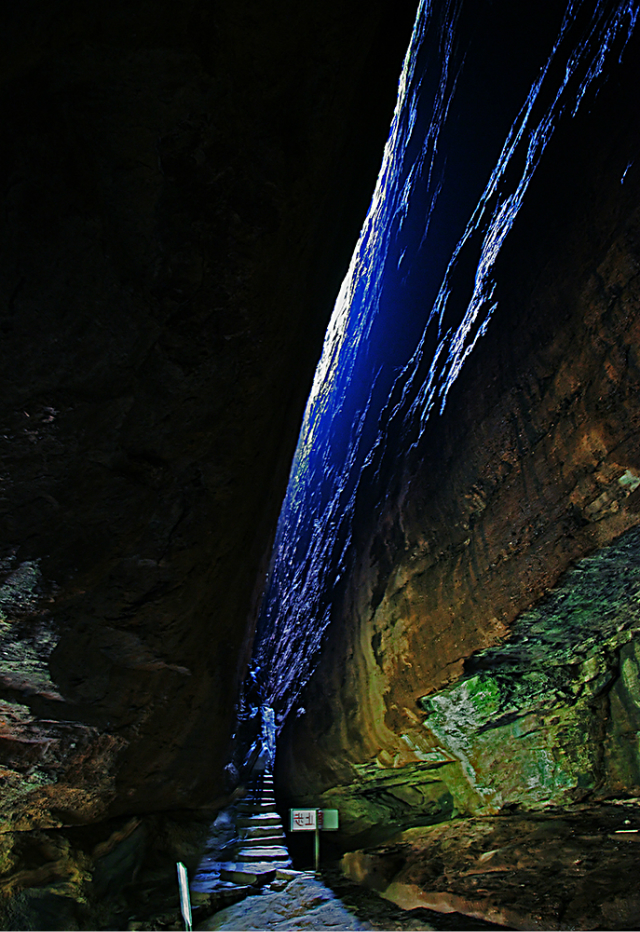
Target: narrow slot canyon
(320, 464)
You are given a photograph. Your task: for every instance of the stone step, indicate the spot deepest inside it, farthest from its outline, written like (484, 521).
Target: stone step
(255, 877)
(260, 831)
(220, 887)
(259, 819)
(259, 798)
(269, 853)
(255, 825)
(261, 841)
(256, 817)
(257, 808)
(265, 864)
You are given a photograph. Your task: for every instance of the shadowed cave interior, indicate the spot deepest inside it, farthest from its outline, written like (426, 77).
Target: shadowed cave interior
(320, 407)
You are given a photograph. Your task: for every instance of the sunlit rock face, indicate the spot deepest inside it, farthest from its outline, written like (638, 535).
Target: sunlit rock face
(480, 604)
(182, 185)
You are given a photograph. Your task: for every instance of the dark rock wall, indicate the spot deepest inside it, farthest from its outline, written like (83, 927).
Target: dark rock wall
(534, 464)
(181, 188)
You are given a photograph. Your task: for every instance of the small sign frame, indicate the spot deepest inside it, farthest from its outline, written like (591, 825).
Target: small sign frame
(303, 820)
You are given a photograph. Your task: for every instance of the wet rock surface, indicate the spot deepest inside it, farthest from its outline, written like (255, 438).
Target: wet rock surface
(562, 869)
(304, 903)
(328, 901)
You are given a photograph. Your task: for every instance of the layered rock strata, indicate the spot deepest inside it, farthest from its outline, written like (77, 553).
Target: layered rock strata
(435, 695)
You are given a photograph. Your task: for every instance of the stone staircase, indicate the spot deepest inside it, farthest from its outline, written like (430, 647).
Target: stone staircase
(255, 852)
(261, 838)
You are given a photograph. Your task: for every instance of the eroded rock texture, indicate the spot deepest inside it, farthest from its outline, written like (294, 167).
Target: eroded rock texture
(557, 870)
(181, 186)
(436, 695)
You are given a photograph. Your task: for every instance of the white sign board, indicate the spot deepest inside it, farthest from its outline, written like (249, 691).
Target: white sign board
(303, 820)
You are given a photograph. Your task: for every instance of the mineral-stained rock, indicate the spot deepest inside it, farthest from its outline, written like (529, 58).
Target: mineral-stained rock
(430, 698)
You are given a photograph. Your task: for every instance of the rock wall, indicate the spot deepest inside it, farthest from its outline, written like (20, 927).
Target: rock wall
(435, 694)
(181, 187)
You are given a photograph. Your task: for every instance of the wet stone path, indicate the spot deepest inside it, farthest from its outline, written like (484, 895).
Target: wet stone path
(300, 900)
